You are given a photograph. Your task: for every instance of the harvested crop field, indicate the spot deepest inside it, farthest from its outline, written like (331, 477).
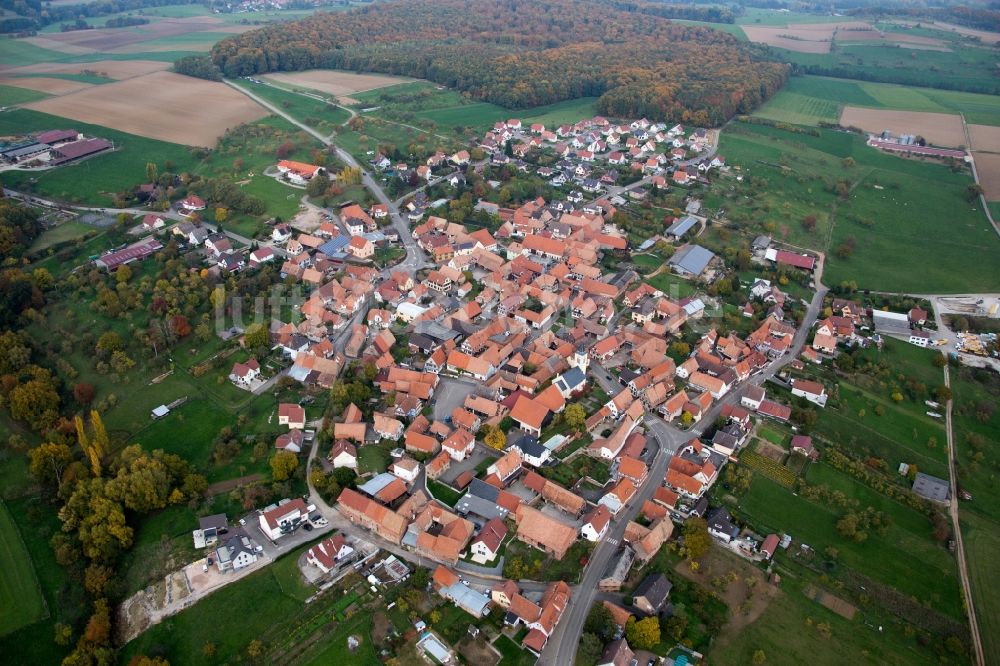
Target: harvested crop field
(113, 69)
(161, 105)
(985, 138)
(879, 36)
(108, 39)
(940, 129)
(988, 168)
(45, 85)
(818, 37)
(59, 46)
(786, 39)
(335, 82)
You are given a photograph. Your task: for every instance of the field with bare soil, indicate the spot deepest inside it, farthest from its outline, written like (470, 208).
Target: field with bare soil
(45, 85)
(818, 37)
(109, 39)
(334, 82)
(879, 36)
(161, 105)
(787, 38)
(985, 138)
(113, 69)
(988, 167)
(940, 129)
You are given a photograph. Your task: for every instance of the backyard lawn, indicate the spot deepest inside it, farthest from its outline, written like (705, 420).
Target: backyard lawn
(446, 494)
(513, 654)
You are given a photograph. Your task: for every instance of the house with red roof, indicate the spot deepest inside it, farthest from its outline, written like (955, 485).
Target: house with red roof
(595, 524)
(485, 546)
(291, 415)
(328, 553)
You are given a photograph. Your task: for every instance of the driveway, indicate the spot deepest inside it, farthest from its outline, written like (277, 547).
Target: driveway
(449, 394)
(274, 549)
(480, 454)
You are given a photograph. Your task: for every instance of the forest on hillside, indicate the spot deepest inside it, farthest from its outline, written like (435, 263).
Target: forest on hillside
(521, 54)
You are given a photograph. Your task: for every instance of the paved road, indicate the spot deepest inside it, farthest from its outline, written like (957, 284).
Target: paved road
(562, 645)
(963, 570)
(415, 257)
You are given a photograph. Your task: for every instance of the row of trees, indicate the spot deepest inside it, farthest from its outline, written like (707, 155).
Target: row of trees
(520, 54)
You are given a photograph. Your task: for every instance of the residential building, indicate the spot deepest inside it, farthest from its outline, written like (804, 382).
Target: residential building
(283, 519)
(651, 595)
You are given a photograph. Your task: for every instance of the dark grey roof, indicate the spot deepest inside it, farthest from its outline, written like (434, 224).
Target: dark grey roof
(655, 588)
(725, 439)
(422, 342)
(572, 378)
(486, 509)
(692, 259)
(530, 446)
(436, 331)
(931, 487)
(481, 489)
(217, 521)
(719, 520)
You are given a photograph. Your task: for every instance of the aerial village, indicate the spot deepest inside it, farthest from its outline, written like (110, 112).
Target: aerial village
(523, 396)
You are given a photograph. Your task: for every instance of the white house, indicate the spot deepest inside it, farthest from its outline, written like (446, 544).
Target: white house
(486, 545)
(753, 397)
(533, 451)
(284, 518)
(812, 391)
(327, 553)
(281, 233)
(406, 469)
(344, 454)
(291, 415)
(244, 373)
(261, 255)
(234, 554)
(596, 523)
(152, 222)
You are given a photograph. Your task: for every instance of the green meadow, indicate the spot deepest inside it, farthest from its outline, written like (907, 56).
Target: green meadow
(896, 214)
(809, 100)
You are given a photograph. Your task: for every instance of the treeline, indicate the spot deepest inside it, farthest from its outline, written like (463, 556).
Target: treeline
(710, 13)
(981, 18)
(518, 54)
(198, 66)
(35, 14)
(125, 21)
